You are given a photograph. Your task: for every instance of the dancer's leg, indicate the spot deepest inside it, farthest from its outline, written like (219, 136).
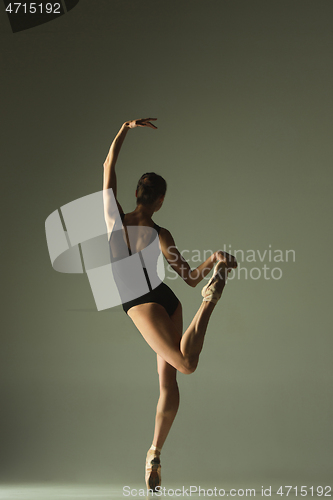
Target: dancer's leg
(161, 334)
(166, 410)
(192, 340)
(168, 402)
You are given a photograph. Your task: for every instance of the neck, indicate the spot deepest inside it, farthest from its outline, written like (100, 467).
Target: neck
(144, 210)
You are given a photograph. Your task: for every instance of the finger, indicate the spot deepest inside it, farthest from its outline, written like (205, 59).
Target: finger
(145, 119)
(147, 124)
(144, 122)
(150, 125)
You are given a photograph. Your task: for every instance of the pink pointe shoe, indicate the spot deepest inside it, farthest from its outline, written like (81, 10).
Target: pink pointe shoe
(153, 470)
(213, 290)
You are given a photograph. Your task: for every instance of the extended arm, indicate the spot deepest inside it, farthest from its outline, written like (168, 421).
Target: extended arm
(111, 209)
(109, 179)
(191, 276)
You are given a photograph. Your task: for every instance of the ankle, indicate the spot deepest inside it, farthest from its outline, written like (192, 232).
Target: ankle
(208, 304)
(154, 448)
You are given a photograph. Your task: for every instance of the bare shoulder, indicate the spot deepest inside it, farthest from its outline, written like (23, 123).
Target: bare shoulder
(166, 236)
(172, 254)
(167, 243)
(164, 231)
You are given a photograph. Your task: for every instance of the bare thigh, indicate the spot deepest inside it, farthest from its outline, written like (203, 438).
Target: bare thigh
(161, 332)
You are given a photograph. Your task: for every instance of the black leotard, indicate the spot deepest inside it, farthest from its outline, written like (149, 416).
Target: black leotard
(161, 293)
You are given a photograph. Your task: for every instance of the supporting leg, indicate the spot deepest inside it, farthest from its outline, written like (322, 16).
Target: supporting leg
(168, 402)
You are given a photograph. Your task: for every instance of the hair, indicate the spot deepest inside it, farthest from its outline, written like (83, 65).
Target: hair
(150, 187)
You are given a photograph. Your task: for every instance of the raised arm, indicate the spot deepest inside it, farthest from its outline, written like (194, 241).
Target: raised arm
(109, 178)
(191, 276)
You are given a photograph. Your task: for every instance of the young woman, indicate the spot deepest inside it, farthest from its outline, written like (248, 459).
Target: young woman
(158, 313)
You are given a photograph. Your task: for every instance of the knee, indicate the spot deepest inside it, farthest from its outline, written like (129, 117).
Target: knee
(189, 367)
(190, 370)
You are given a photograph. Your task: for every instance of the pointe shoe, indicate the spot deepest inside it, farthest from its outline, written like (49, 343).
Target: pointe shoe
(213, 290)
(153, 470)
(228, 259)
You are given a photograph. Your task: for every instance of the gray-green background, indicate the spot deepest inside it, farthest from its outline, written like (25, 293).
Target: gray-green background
(242, 91)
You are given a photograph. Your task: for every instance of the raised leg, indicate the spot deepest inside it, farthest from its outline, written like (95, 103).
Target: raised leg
(192, 340)
(162, 335)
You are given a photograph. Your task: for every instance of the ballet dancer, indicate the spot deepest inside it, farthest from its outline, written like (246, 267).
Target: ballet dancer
(158, 313)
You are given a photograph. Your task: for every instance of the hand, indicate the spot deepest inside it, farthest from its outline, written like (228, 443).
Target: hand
(142, 122)
(229, 260)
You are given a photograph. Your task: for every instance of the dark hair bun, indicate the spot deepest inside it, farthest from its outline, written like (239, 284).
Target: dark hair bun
(150, 187)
